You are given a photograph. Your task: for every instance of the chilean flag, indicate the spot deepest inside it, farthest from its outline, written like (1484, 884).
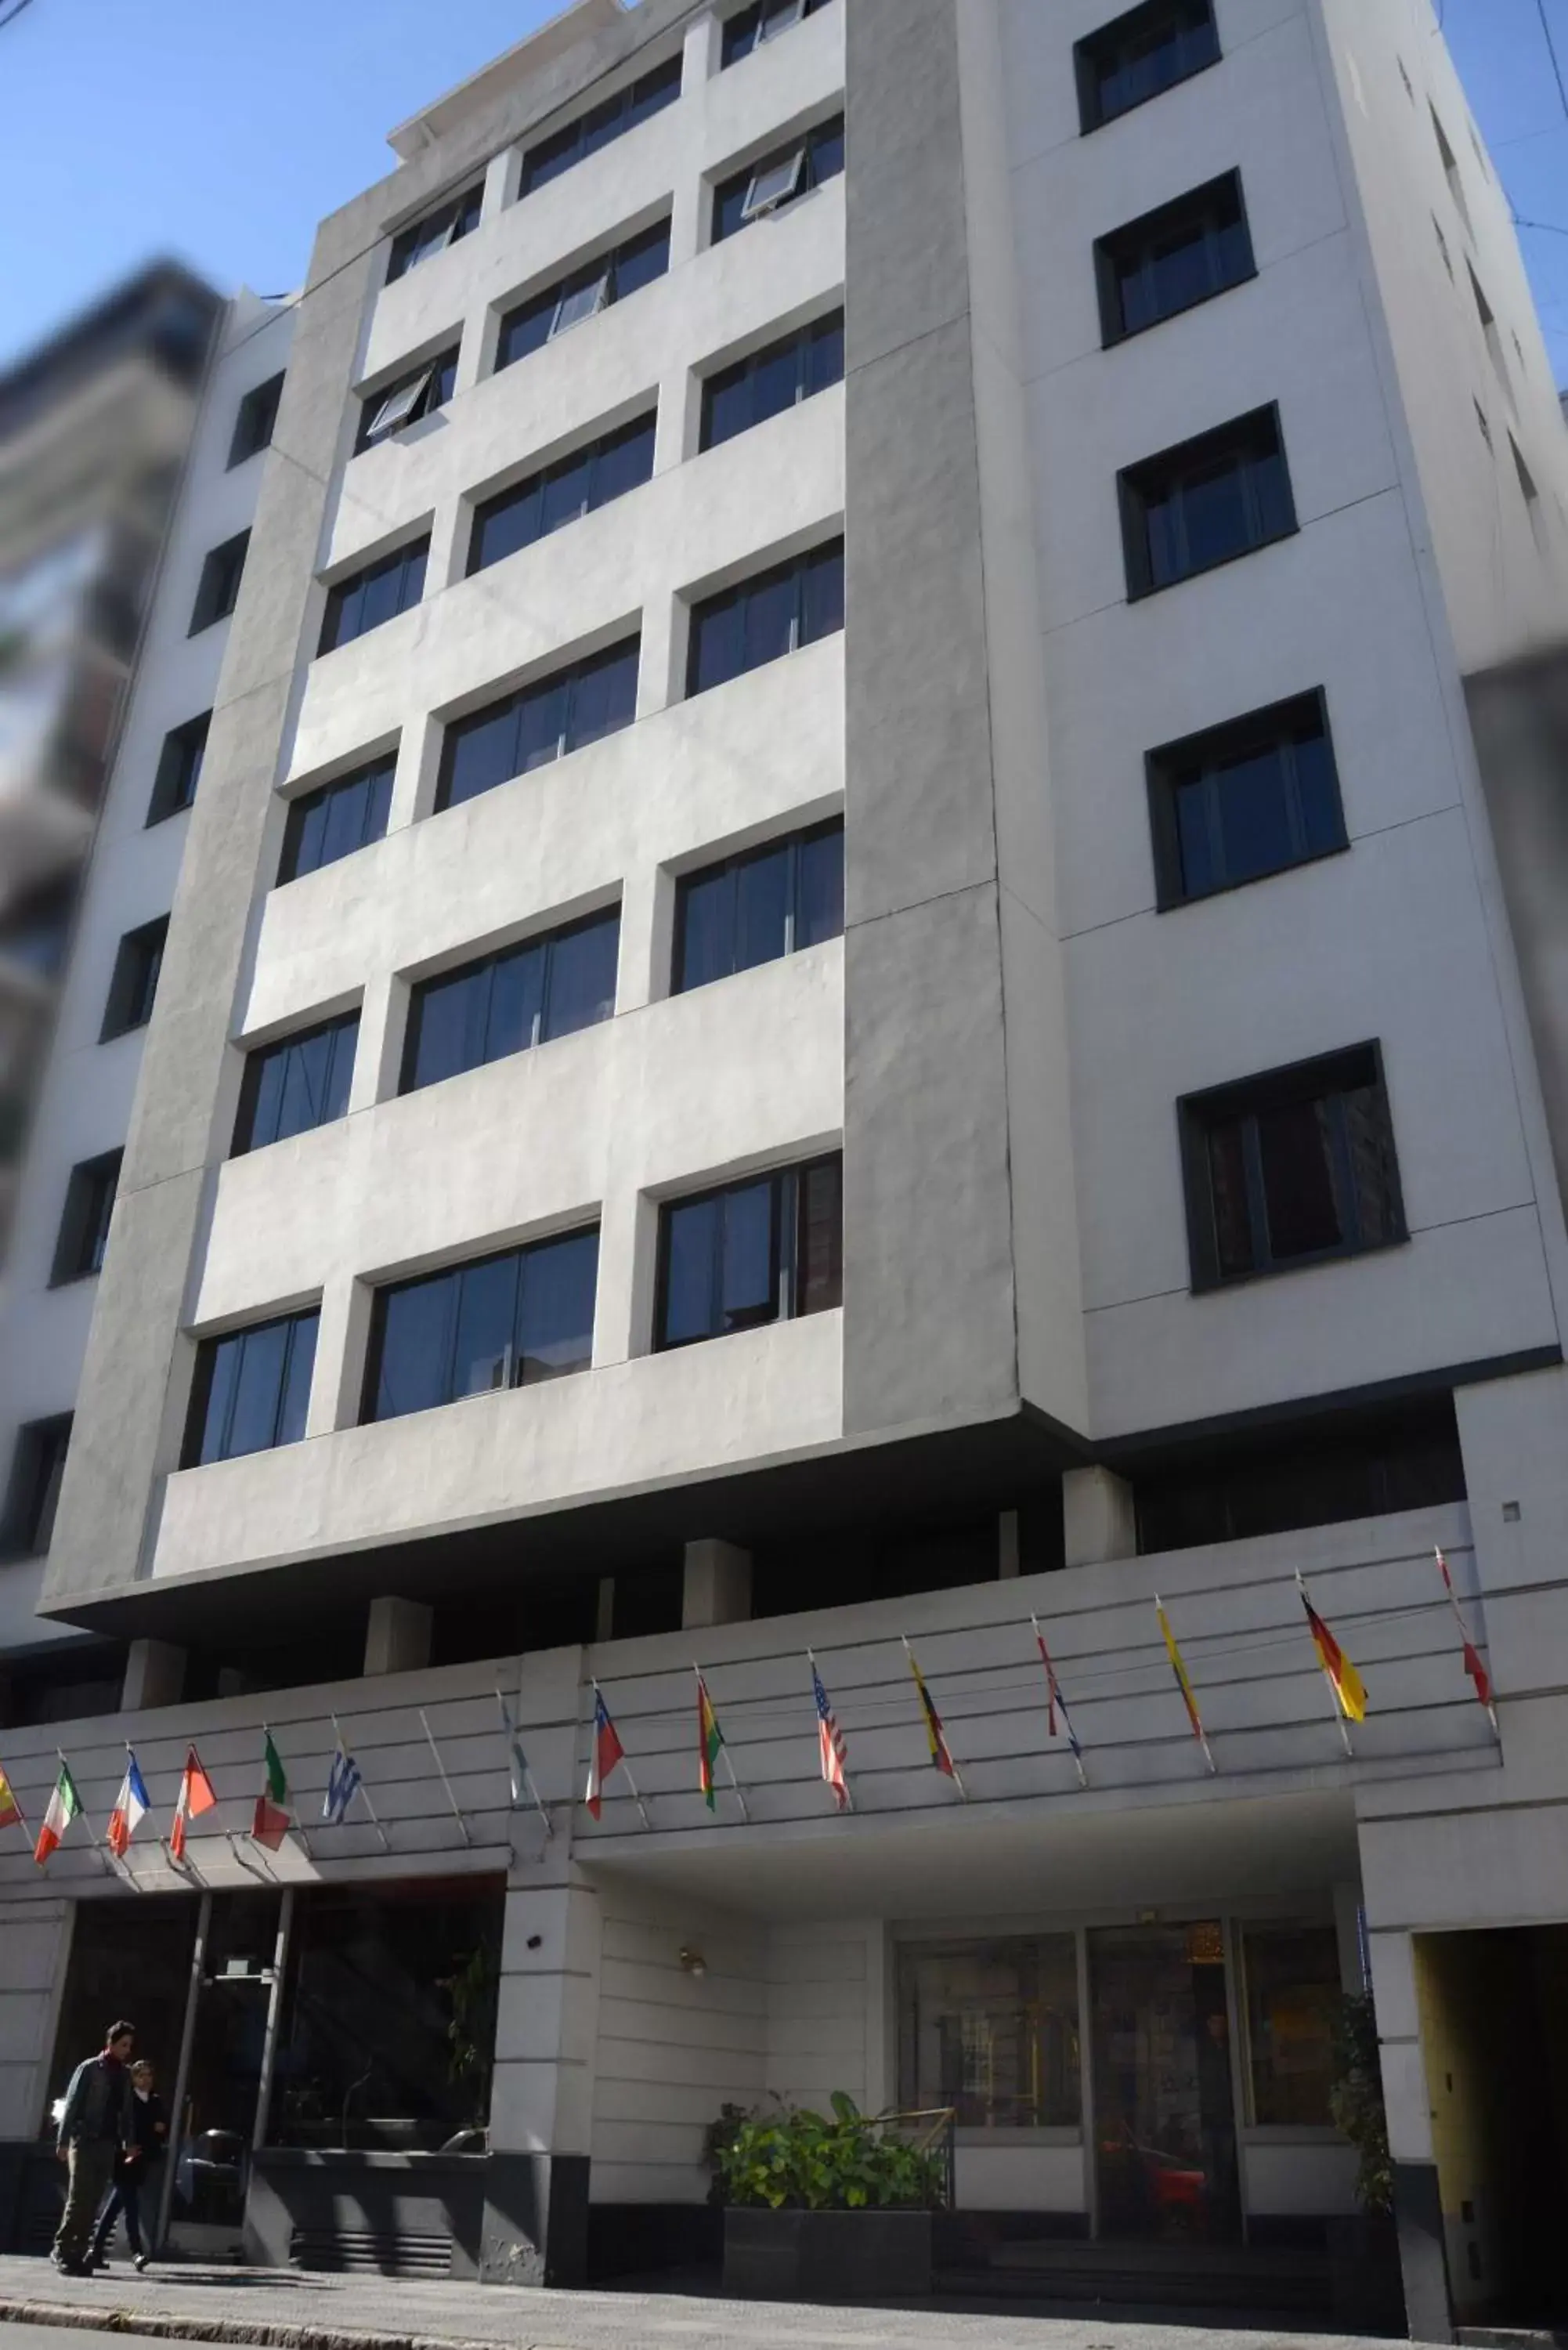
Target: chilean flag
(131, 1807)
(197, 1794)
(608, 1752)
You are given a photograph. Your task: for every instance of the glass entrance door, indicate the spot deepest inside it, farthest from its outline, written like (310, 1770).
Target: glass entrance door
(1164, 2121)
(227, 2041)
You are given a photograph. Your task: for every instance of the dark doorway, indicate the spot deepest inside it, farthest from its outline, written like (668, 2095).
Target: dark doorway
(1164, 2115)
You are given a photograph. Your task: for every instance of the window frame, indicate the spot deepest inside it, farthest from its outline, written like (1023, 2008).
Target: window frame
(910, 1954)
(1240, 1101)
(130, 989)
(341, 1028)
(790, 844)
(628, 99)
(706, 608)
(764, 29)
(201, 1384)
(1184, 465)
(82, 1237)
(179, 769)
(591, 454)
(424, 389)
(785, 1211)
(801, 344)
(413, 557)
(32, 1486)
(545, 942)
(1279, 723)
(568, 678)
(464, 212)
(597, 273)
(803, 149)
(301, 804)
(1090, 69)
(218, 588)
(1202, 207)
(250, 437)
(516, 1357)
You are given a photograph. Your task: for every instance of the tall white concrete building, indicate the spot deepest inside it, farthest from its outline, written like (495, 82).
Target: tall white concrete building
(840, 824)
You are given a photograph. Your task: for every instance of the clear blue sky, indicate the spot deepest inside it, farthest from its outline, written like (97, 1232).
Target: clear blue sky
(223, 129)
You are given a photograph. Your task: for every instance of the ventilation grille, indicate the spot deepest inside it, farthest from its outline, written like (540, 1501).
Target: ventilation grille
(363, 2251)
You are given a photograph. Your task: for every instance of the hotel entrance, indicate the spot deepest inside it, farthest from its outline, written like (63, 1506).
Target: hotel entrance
(1163, 2083)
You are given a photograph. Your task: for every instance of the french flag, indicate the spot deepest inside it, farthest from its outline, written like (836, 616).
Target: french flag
(131, 1807)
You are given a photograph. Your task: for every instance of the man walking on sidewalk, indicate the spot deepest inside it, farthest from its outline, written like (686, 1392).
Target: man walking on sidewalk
(94, 2126)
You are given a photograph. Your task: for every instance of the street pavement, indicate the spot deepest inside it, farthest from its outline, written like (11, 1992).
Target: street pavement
(290, 2310)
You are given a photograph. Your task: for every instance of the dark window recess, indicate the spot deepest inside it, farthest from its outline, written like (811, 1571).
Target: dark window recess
(543, 722)
(1238, 801)
(420, 392)
(329, 1648)
(529, 1612)
(771, 380)
(1136, 57)
(218, 589)
(84, 1222)
(1223, 494)
(547, 987)
(66, 1684)
(134, 982)
(780, 180)
(336, 819)
(649, 95)
(763, 21)
(753, 909)
(374, 596)
(766, 1250)
(298, 1083)
(251, 1390)
(1173, 258)
(1318, 1474)
(561, 492)
(255, 420)
(766, 618)
(434, 233)
(37, 1465)
(179, 768)
(1290, 1168)
(508, 1321)
(849, 1566)
(610, 277)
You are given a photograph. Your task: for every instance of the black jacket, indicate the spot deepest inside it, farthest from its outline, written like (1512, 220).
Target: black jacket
(97, 2106)
(149, 2134)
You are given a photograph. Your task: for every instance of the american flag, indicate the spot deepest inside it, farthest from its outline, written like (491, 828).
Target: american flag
(830, 1740)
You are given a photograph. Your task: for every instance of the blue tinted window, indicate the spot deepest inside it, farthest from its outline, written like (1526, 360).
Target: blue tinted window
(420, 392)
(296, 1084)
(777, 613)
(1251, 797)
(1125, 63)
(434, 233)
(589, 478)
(755, 907)
(251, 1390)
(763, 21)
(504, 1321)
(1185, 253)
(541, 723)
(1206, 502)
(609, 120)
(374, 596)
(622, 270)
(765, 1249)
(820, 152)
(336, 819)
(525, 995)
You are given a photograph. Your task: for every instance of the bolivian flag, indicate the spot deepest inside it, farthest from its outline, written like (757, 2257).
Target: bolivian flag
(1341, 1675)
(710, 1743)
(10, 1809)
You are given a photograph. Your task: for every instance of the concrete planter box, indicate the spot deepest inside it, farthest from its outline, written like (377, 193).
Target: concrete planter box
(828, 2255)
(1365, 2288)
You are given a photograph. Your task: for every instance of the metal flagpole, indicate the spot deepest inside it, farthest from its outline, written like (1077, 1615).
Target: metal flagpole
(362, 1789)
(516, 1755)
(446, 1782)
(1333, 1692)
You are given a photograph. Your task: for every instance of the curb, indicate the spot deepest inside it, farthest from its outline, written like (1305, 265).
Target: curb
(195, 2328)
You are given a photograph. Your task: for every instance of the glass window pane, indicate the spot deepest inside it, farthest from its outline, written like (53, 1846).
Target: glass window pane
(740, 34)
(342, 1037)
(728, 406)
(748, 1287)
(825, 362)
(1214, 517)
(604, 695)
(551, 158)
(824, 594)
(381, 595)
(582, 977)
(374, 794)
(557, 1311)
(718, 640)
(1373, 1178)
(486, 1321)
(641, 262)
(223, 1375)
(1233, 1246)
(1254, 817)
(258, 1390)
(776, 379)
(510, 523)
(303, 1063)
(1294, 1149)
(1199, 869)
(690, 1235)
(762, 908)
(1165, 2118)
(775, 184)
(267, 1082)
(991, 2029)
(1272, 490)
(1294, 1995)
(1317, 794)
(481, 753)
(416, 1338)
(819, 1241)
(603, 123)
(516, 994)
(770, 608)
(624, 463)
(730, 206)
(296, 1401)
(342, 824)
(308, 826)
(1182, 269)
(707, 929)
(528, 329)
(446, 1028)
(827, 151)
(566, 494)
(819, 888)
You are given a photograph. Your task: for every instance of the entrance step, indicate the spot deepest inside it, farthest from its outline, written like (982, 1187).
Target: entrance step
(1209, 2276)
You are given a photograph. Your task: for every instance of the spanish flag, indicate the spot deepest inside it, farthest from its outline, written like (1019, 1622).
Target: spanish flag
(1182, 1683)
(710, 1744)
(936, 1736)
(1341, 1675)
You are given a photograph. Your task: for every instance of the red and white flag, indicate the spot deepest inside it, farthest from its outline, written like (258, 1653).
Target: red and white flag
(64, 1805)
(830, 1743)
(197, 1794)
(608, 1752)
(130, 1808)
(1480, 1677)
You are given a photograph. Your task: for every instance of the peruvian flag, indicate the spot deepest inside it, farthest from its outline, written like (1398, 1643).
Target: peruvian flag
(197, 1794)
(608, 1752)
(65, 1804)
(130, 1808)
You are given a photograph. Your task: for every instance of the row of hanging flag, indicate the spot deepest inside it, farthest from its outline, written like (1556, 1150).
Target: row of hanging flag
(274, 1813)
(1348, 1691)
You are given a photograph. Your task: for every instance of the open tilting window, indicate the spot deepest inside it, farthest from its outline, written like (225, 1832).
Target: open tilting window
(778, 180)
(583, 302)
(773, 186)
(419, 394)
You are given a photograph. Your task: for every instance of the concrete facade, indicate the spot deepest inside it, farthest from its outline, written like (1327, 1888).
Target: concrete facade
(1027, 1382)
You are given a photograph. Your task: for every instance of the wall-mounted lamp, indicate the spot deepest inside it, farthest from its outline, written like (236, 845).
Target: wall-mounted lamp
(692, 1962)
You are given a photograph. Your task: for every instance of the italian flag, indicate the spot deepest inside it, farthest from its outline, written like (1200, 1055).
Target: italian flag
(65, 1804)
(274, 1817)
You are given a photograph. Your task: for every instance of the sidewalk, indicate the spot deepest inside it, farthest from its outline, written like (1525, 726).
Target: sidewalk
(289, 2311)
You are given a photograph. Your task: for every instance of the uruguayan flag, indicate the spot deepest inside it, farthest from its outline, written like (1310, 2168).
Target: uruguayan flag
(342, 1786)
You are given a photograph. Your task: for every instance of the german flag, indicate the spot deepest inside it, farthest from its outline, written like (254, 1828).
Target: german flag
(1341, 1675)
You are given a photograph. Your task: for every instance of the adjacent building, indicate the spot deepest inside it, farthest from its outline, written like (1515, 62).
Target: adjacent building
(841, 978)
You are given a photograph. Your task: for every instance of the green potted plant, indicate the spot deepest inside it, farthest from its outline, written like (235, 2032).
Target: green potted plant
(820, 2207)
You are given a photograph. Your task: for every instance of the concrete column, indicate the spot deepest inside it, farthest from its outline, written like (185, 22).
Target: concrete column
(717, 1586)
(541, 2096)
(398, 1637)
(154, 1676)
(1098, 1519)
